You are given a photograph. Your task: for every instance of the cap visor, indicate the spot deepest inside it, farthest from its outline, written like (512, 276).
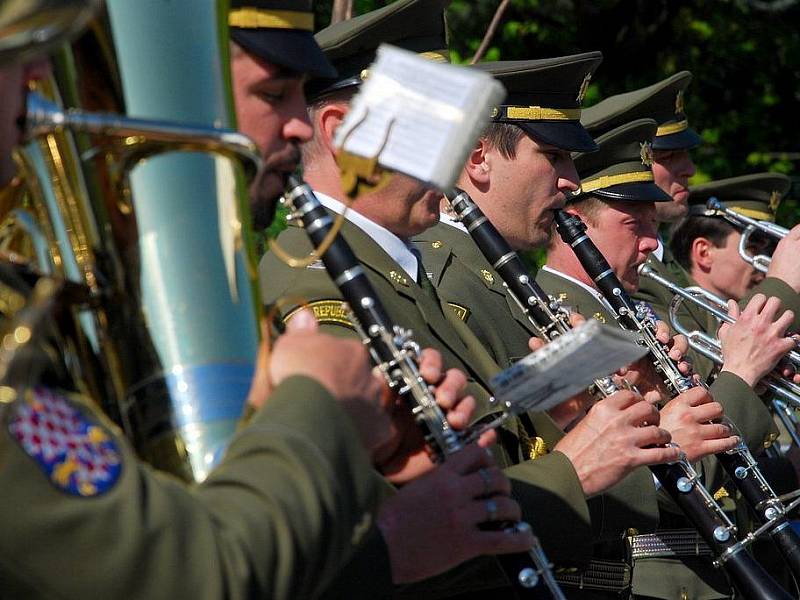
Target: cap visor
(634, 192)
(683, 140)
(294, 50)
(566, 135)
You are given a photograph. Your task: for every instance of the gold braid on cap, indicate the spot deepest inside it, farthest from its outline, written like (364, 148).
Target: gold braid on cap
(258, 18)
(606, 181)
(671, 128)
(537, 113)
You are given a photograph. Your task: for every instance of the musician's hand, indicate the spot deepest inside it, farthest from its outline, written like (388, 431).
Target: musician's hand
(571, 410)
(688, 418)
(784, 259)
(432, 524)
(342, 366)
(405, 456)
(617, 435)
(677, 346)
(753, 345)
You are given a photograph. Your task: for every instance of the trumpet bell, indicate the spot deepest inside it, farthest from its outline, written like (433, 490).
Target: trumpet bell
(31, 27)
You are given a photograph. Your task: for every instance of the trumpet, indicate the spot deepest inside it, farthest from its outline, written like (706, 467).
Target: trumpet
(708, 345)
(760, 262)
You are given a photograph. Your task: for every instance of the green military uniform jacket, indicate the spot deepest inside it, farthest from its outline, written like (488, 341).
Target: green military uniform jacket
(467, 282)
(547, 489)
(665, 577)
(293, 499)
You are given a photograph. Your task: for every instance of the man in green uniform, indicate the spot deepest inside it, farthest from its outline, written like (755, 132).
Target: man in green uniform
(617, 202)
(552, 489)
(514, 172)
(289, 505)
(672, 168)
(706, 244)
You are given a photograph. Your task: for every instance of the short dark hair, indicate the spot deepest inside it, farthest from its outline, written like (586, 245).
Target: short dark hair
(505, 137)
(685, 232)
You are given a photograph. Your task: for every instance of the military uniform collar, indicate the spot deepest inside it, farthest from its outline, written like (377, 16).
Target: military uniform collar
(398, 250)
(446, 219)
(594, 293)
(659, 252)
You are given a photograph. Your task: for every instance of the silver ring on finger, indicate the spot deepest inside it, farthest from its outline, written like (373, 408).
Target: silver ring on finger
(487, 480)
(491, 510)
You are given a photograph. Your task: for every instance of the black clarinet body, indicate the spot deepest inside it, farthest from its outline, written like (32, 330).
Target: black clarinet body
(738, 463)
(394, 351)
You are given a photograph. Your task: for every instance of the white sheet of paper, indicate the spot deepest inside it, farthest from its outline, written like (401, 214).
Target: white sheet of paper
(565, 367)
(420, 117)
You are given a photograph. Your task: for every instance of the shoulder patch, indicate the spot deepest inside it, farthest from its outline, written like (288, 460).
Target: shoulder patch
(327, 311)
(78, 455)
(462, 312)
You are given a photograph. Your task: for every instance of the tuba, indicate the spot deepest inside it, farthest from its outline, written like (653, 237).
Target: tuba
(149, 215)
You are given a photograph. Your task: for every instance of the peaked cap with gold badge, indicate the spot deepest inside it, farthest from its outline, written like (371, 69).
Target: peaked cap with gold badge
(621, 169)
(415, 25)
(756, 196)
(662, 101)
(31, 27)
(280, 32)
(544, 97)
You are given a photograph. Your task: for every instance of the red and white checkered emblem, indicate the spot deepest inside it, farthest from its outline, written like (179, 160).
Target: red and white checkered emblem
(78, 455)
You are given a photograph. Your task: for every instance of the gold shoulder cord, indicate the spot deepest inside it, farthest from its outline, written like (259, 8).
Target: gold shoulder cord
(299, 262)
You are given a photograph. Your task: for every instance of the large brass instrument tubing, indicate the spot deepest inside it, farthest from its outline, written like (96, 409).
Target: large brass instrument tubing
(709, 346)
(143, 137)
(760, 262)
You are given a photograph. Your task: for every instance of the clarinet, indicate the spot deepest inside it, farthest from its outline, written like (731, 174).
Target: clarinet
(679, 479)
(738, 462)
(394, 351)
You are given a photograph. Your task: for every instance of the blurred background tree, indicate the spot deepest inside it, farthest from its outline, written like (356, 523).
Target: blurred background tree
(744, 54)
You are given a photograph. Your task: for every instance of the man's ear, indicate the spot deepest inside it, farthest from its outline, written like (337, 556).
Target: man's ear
(478, 165)
(328, 118)
(701, 253)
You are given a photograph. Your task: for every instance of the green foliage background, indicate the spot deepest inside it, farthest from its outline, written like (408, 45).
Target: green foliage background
(744, 54)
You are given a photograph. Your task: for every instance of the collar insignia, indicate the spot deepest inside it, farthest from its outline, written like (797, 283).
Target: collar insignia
(487, 276)
(77, 455)
(462, 312)
(583, 88)
(536, 447)
(646, 153)
(397, 278)
(774, 200)
(679, 103)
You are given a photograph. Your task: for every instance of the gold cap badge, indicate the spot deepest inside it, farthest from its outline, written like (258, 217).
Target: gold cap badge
(646, 153)
(774, 200)
(583, 88)
(679, 103)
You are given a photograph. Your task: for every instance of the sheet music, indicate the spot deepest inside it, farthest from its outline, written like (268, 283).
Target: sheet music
(418, 116)
(566, 366)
